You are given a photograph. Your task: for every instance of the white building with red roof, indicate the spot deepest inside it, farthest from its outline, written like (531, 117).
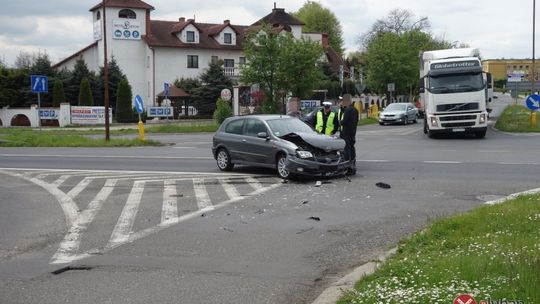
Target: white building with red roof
(152, 52)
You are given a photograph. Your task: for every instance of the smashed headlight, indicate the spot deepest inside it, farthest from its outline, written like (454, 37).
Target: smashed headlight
(304, 154)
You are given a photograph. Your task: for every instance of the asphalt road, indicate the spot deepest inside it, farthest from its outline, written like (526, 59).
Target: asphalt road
(163, 225)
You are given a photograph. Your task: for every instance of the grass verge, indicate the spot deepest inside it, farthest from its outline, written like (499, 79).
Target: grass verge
(30, 138)
(492, 252)
(516, 119)
(182, 128)
(368, 121)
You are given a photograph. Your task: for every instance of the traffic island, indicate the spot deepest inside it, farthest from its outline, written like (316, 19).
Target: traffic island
(490, 255)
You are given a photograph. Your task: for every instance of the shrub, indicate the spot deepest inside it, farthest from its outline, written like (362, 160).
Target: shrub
(124, 109)
(85, 93)
(58, 93)
(223, 110)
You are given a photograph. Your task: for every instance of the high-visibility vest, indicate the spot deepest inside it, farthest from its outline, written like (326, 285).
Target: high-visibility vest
(329, 123)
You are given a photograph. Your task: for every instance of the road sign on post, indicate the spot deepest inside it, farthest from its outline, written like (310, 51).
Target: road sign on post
(139, 105)
(39, 84)
(166, 89)
(533, 102)
(226, 94)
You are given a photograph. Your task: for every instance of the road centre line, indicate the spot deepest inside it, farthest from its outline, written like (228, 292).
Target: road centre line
(441, 162)
(122, 230)
(107, 156)
(71, 242)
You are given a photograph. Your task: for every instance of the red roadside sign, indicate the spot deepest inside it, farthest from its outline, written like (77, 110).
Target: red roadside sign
(464, 299)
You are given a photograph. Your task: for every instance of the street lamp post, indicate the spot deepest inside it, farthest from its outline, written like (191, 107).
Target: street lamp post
(533, 43)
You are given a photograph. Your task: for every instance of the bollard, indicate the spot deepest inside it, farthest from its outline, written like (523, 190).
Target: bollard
(141, 130)
(533, 119)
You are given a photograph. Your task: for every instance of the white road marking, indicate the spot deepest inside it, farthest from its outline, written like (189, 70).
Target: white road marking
(492, 151)
(518, 164)
(32, 171)
(231, 191)
(80, 187)
(60, 180)
(169, 211)
(254, 183)
(203, 200)
(106, 156)
(441, 162)
(72, 241)
(372, 160)
(124, 225)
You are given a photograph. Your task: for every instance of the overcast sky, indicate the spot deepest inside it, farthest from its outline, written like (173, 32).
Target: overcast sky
(61, 27)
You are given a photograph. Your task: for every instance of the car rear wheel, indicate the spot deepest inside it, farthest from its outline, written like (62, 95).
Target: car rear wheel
(223, 160)
(281, 167)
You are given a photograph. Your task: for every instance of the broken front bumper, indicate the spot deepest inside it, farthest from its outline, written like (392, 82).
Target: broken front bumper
(299, 166)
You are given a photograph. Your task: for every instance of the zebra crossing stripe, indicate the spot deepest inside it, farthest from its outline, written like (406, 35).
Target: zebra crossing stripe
(70, 245)
(60, 180)
(80, 187)
(124, 225)
(231, 191)
(254, 183)
(201, 194)
(169, 211)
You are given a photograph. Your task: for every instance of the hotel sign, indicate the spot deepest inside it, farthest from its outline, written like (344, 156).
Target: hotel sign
(126, 29)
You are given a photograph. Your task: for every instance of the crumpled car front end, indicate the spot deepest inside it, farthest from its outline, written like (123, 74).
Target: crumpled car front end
(316, 155)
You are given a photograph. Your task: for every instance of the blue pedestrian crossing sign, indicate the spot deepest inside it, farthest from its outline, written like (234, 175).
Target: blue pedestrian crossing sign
(39, 83)
(139, 104)
(166, 89)
(533, 102)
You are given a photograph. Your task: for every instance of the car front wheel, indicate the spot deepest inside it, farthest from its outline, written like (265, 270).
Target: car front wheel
(281, 167)
(223, 160)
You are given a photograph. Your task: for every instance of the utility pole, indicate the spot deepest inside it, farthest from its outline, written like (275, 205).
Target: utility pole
(533, 42)
(105, 74)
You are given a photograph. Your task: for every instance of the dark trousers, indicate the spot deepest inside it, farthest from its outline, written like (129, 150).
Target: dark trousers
(350, 151)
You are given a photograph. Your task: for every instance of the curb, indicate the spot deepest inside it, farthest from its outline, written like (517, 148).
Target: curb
(512, 196)
(334, 292)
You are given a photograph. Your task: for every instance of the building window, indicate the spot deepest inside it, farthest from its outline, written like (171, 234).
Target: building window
(98, 15)
(190, 36)
(215, 59)
(227, 38)
(515, 67)
(527, 67)
(242, 61)
(127, 14)
(228, 63)
(193, 62)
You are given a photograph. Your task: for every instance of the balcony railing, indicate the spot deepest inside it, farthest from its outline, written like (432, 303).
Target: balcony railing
(232, 72)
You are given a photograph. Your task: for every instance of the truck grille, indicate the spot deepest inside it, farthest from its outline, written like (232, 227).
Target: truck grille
(459, 117)
(458, 107)
(458, 124)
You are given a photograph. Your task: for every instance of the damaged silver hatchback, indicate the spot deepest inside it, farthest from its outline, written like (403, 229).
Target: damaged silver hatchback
(281, 142)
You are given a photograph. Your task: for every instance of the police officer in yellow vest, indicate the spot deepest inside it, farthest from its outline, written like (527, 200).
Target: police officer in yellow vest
(326, 121)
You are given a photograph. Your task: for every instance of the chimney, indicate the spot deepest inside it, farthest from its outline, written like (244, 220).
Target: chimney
(182, 19)
(226, 21)
(190, 20)
(324, 40)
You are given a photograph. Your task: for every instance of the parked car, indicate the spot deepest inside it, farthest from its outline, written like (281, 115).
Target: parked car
(281, 142)
(400, 112)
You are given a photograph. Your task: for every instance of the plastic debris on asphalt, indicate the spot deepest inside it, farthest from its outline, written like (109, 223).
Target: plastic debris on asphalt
(383, 185)
(318, 184)
(315, 218)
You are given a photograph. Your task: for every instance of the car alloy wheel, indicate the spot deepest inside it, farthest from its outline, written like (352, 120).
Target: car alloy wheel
(282, 170)
(223, 160)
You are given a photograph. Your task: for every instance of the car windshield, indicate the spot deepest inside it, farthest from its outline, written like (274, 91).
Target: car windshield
(455, 83)
(396, 107)
(284, 126)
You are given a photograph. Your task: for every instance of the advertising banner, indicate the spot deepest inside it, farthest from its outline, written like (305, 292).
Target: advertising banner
(49, 113)
(89, 115)
(126, 29)
(160, 112)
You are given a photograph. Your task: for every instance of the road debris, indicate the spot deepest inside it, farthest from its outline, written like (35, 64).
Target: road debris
(304, 202)
(318, 184)
(227, 229)
(383, 185)
(315, 218)
(305, 230)
(260, 211)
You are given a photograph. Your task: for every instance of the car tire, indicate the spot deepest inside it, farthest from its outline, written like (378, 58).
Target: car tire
(223, 160)
(281, 169)
(381, 123)
(406, 121)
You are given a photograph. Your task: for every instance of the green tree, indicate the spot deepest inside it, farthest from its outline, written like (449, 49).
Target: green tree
(115, 75)
(281, 64)
(213, 81)
(79, 72)
(189, 85)
(223, 110)
(320, 19)
(85, 93)
(58, 93)
(124, 109)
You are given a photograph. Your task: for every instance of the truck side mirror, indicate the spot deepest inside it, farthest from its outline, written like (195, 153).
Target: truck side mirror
(421, 88)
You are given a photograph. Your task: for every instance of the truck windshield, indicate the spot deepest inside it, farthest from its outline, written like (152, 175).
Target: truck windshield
(455, 83)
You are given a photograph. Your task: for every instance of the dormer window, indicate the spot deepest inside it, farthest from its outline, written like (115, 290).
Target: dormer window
(127, 14)
(190, 36)
(227, 38)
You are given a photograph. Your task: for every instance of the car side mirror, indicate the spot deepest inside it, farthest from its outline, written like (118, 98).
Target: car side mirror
(421, 88)
(263, 135)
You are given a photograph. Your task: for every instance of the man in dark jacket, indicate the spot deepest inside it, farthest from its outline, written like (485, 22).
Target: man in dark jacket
(348, 123)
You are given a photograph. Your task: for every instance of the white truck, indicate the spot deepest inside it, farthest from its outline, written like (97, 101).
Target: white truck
(453, 92)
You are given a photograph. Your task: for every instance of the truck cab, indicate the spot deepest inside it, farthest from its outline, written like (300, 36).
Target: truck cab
(453, 92)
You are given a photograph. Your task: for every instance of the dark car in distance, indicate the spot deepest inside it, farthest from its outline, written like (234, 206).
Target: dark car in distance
(281, 142)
